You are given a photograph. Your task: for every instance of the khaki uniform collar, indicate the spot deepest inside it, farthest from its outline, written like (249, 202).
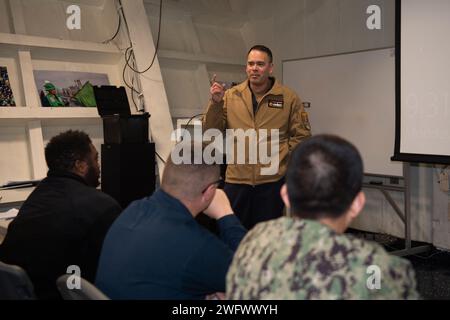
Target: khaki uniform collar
(275, 90)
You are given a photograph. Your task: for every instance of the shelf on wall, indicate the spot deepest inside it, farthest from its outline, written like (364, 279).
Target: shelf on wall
(55, 49)
(20, 115)
(47, 112)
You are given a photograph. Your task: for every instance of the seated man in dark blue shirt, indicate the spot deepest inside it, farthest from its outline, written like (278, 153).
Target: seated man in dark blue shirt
(156, 249)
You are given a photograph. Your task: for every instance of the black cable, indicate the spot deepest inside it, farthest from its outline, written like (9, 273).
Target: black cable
(160, 157)
(128, 57)
(125, 23)
(125, 68)
(200, 114)
(117, 31)
(192, 118)
(141, 104)
(189, 121)
(132, 93)
(157, 43)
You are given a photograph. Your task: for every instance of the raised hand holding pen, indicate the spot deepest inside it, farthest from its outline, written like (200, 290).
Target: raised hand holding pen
(217, 90)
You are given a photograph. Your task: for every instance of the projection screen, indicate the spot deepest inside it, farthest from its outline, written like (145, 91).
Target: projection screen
(422, 81)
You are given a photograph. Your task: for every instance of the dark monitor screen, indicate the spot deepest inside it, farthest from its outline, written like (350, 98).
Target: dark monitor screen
(111, 100)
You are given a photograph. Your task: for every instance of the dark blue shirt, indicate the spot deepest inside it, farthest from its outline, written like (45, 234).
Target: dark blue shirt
(156, 250)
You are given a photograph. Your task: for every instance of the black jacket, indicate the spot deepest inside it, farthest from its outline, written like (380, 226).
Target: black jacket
(63, 222)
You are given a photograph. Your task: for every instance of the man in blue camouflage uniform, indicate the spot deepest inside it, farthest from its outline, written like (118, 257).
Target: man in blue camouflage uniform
(308, 256)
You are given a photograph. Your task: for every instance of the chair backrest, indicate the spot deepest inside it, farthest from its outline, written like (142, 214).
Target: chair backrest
(87, 290)
(15, 283)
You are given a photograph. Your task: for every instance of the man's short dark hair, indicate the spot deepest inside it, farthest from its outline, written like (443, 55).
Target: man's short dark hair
(324, 176)
(260, 47)
(189, 180)
(64, 149)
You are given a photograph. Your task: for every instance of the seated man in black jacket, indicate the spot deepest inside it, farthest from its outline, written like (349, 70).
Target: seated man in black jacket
(64, 220)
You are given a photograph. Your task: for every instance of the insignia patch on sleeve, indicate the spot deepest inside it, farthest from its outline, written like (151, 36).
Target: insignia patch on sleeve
(305, 120)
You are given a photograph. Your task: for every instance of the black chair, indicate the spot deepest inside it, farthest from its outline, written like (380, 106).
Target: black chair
(87, 290)
(15, 283)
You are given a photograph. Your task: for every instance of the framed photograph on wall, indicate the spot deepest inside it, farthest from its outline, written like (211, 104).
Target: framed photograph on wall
(6, 94)
(68, 88)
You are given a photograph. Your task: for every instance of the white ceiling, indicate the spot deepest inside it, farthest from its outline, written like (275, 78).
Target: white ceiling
(230, 13)
(94, 3)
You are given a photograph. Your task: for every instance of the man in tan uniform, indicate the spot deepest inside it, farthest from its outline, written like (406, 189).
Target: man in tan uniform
(258, 103)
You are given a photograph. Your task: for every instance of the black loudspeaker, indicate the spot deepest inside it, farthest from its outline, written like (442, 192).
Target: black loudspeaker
(128, 171)
(125, 129)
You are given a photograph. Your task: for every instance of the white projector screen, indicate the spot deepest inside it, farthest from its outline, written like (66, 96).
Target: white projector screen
(423, 81)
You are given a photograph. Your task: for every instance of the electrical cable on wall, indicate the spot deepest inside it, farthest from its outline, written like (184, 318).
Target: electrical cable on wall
(129, 53)
(187, 124)
(132, 96)
(127, 58)
(140, 95)
(163, 161)
(133, 90)
(156, 47)
(118, 26)
(193, 117)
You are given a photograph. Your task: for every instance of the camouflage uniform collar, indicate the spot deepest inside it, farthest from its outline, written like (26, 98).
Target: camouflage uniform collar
(313, 225)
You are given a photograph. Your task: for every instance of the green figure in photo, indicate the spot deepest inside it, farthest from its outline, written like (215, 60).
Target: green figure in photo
(51, 98)
(85, 96)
